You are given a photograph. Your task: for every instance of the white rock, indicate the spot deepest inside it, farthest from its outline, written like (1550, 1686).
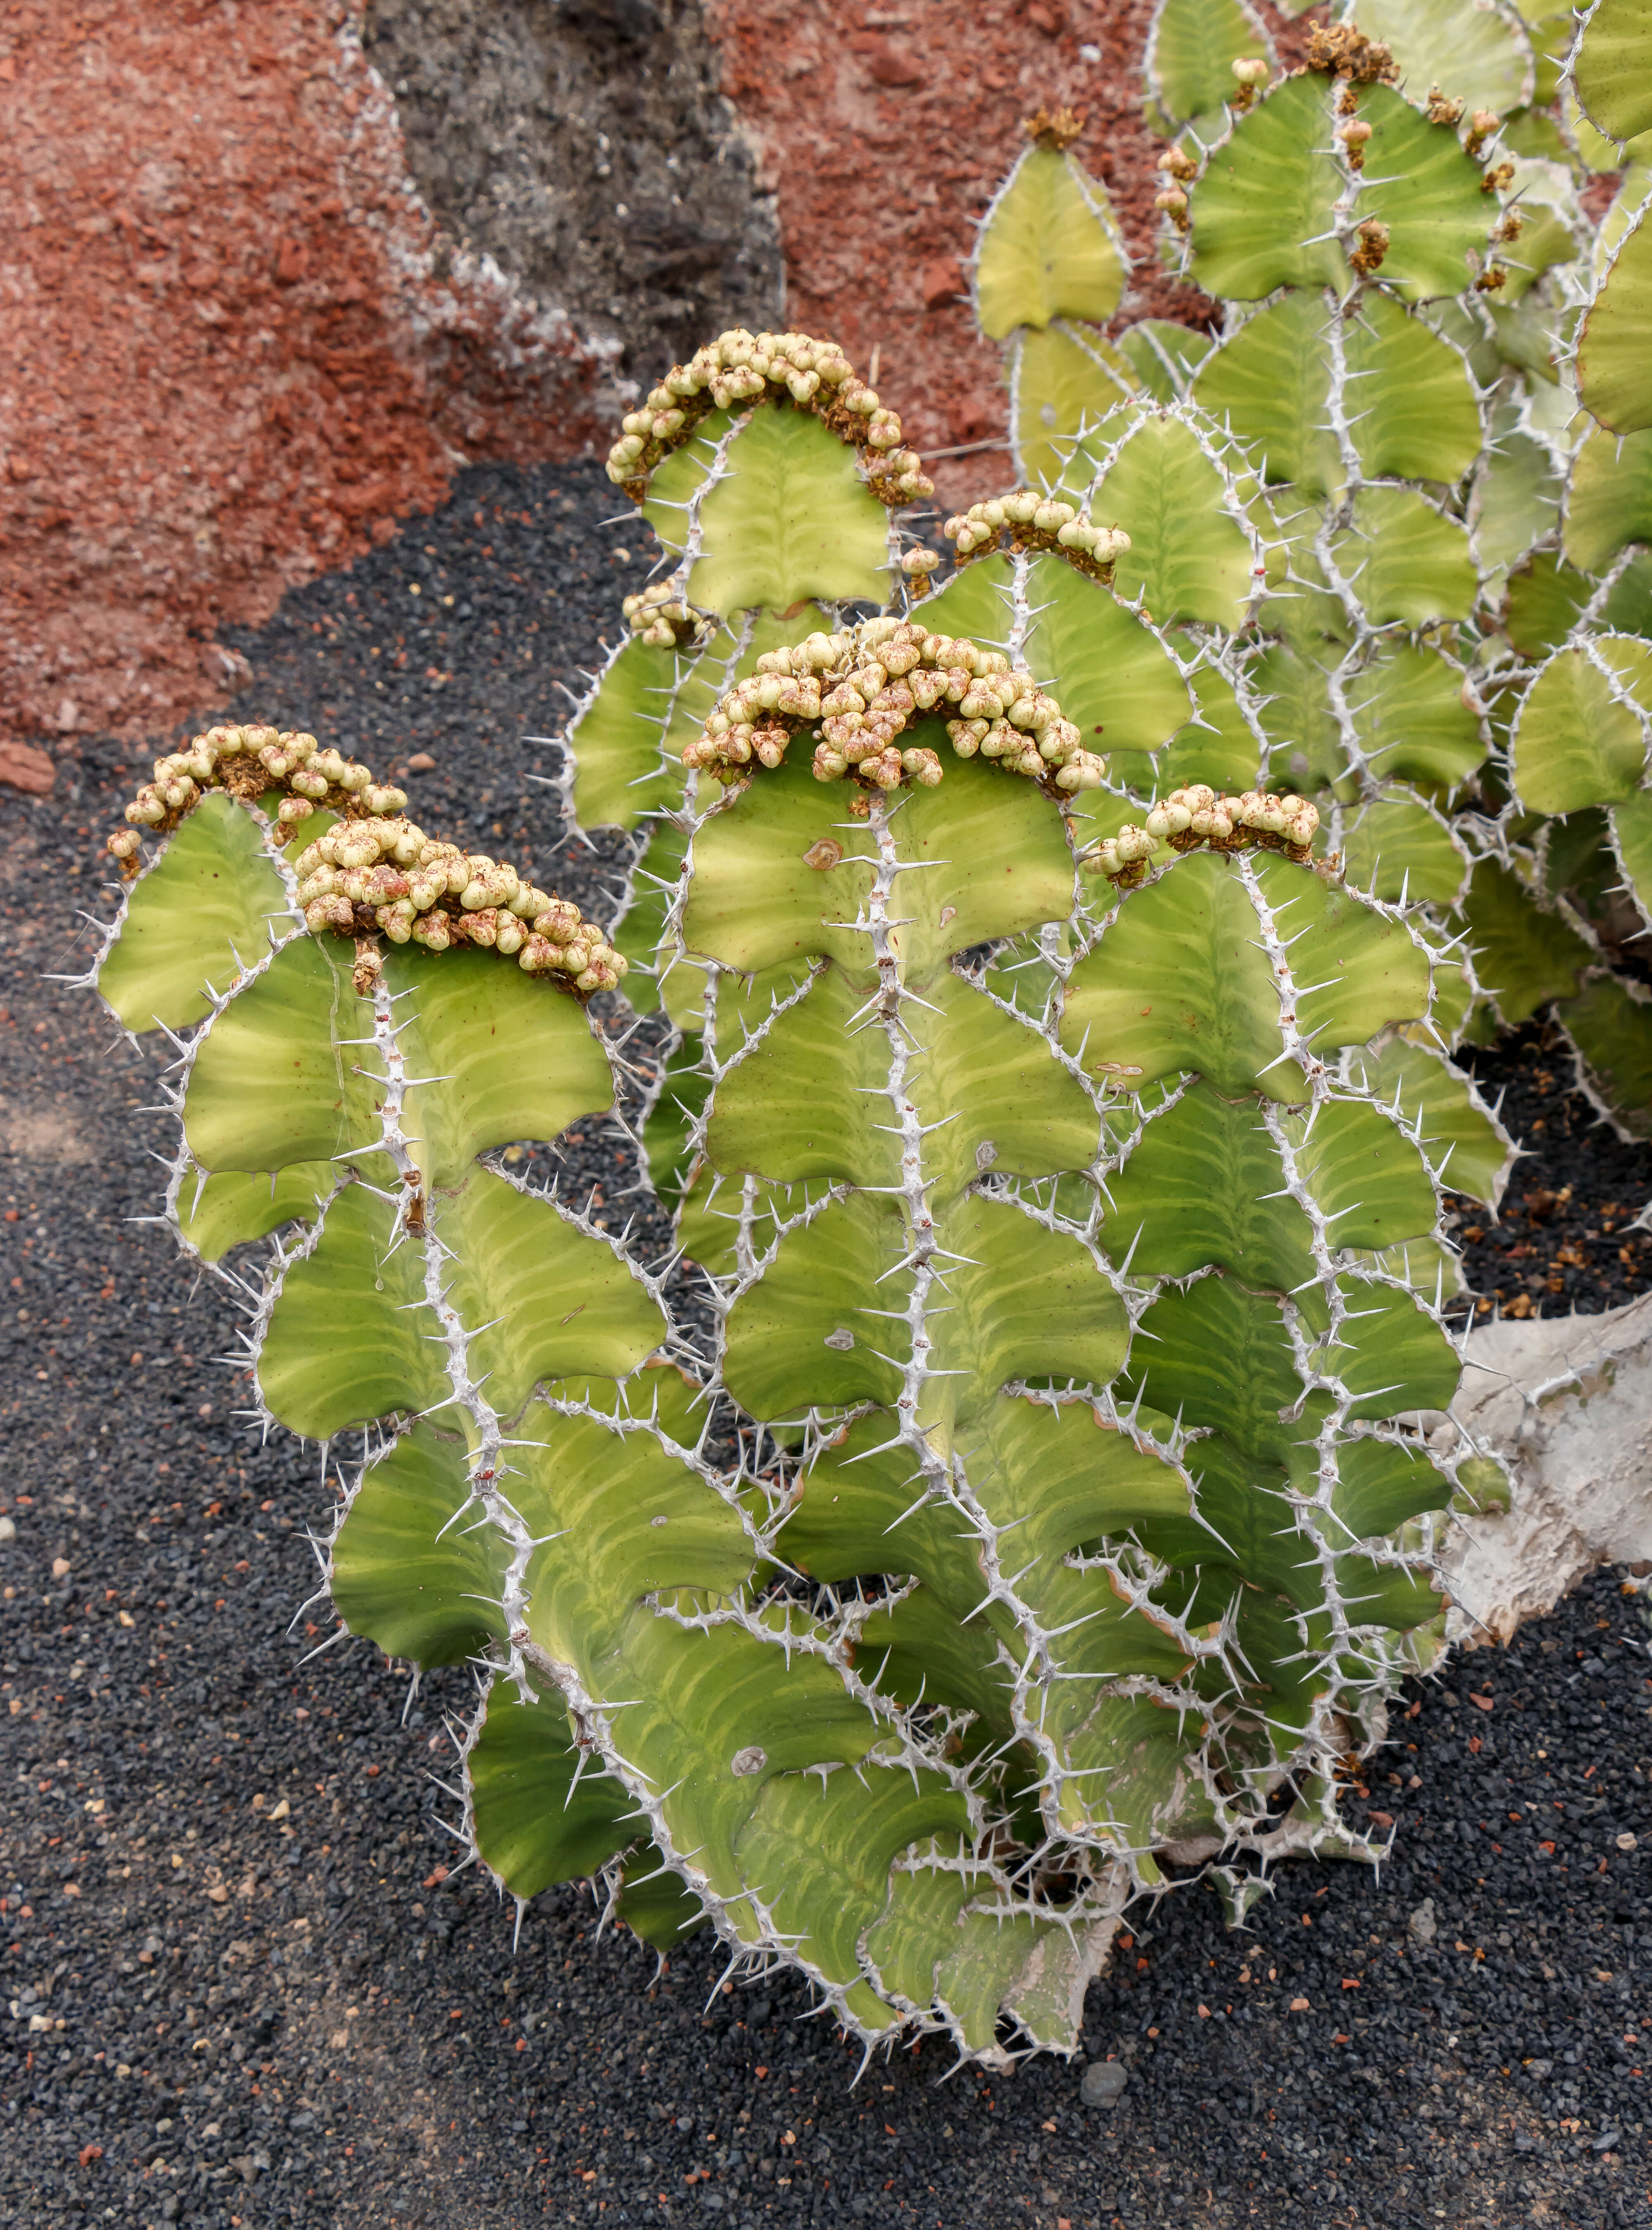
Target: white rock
(1568, 1401)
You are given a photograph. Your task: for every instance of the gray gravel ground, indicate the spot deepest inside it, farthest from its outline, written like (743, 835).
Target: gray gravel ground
(239, 1989)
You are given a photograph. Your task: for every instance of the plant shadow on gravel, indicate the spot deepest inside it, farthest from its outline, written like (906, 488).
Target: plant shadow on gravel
(241, 1988)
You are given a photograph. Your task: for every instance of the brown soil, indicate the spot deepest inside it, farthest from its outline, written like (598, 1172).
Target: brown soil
(236, 345)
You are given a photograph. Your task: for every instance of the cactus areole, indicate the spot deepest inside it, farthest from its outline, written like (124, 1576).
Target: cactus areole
(1008, 1491)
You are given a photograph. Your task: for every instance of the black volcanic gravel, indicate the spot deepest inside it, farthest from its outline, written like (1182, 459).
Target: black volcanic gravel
(1563, 1239)
(240, 1987)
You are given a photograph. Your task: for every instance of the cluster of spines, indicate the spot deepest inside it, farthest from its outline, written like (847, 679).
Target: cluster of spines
(739, 368)
(865, 684)
(1198, 814)
(1034, 520)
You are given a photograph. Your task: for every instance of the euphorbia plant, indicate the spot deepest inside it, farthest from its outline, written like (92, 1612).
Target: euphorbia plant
(1039, 1503)
(1368, 526)
(1009, 1487)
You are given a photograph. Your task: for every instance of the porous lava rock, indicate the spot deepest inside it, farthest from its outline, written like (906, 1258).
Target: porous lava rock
(274, 273)
(888, 131)
(238, 345)
(586, 147)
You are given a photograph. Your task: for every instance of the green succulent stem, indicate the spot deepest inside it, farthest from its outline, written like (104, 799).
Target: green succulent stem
(1011, 1482)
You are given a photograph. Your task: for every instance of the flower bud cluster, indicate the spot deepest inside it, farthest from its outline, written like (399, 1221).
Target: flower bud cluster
(374, 871)
(1055, 128)
(248, 762)
(660, 616)
(1341, 50)
(1035, 521)
(1170, 200)
(1197, 815)
(1370, 246)
(865, 685)
(1355, 134)
(388, 875)
(759, 717)
(740, 367)
(1251, 74)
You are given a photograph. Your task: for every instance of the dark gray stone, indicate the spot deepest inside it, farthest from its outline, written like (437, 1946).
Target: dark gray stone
(588, 150)
(1104, 2082)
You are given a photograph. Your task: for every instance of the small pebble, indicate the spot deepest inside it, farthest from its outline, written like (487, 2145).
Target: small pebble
(1421, 1925)
(1104, 2079)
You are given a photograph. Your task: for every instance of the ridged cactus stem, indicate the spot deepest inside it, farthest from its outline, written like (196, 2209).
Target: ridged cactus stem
(1057, 1139)
(1315, 1516)
(1336, 528)
(1067, 1514)
(920, 1261)
(465, 1389)
(662, 614)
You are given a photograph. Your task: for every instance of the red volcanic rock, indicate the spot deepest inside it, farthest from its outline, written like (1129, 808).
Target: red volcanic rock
(892, 177)
(236, 344)
(892, 65)
(943, 281)
(22, 767)
(238, 347)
